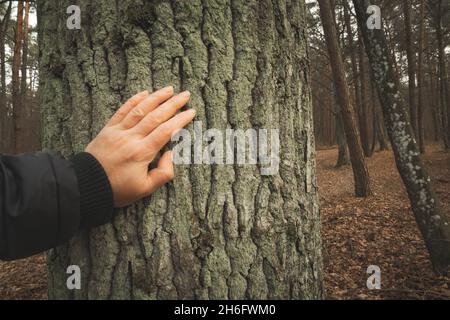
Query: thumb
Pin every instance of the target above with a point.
(162, 174)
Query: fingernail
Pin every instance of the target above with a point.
(168, 89)
(185, 94)
(193, 111)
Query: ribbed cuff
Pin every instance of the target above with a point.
(96, 197)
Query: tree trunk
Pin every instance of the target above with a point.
(342, 143)
(3, 97)
(436, 10)
(343, 159)
(23, 118)
(432, 222)
(420, 80)
(353, 52)
(364, 112)
(360, 172)
(434, 85)
(216, 232)
(16, 98)
(411, 68)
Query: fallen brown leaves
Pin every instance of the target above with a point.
(24, 279)
(379, 230)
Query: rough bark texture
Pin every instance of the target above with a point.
(216, 232)
(432, 223)
(360, 172)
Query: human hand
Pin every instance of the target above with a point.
(132, 139)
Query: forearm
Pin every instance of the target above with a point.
(45, 200)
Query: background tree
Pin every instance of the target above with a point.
(432, 223)
(421, 80)
(411, 57)
(360, 172)
(216, 231)
(17, 58)
(4, 26)
(439, 10)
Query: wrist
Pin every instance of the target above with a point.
(96, 196)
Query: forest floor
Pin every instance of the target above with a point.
(357, 233)
(379, 230)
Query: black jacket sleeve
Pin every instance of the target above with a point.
(45, 200)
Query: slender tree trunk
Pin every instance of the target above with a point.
(434, 84)
(342, 143)
(436, 118)
(360, 172)
(410, 54)
(420, 80)
(343, 159)
(16, 98)
(436, 10)
(375, 119)
(432, 222)
(22, 140)
(364, 111)
(353, 58)
(380, 128)
(3, 97)
(216, 232)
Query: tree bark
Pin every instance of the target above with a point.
(360, 172)
(432, 222)
(216, 232)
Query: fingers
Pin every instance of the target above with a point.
(162, 174)
(150, 103)
(163, 113)
(126, 108)
(162, 135)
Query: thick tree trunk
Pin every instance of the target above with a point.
(432, 222)
(360, 172)
(16, 98)
(3, 98)
(216, 231)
